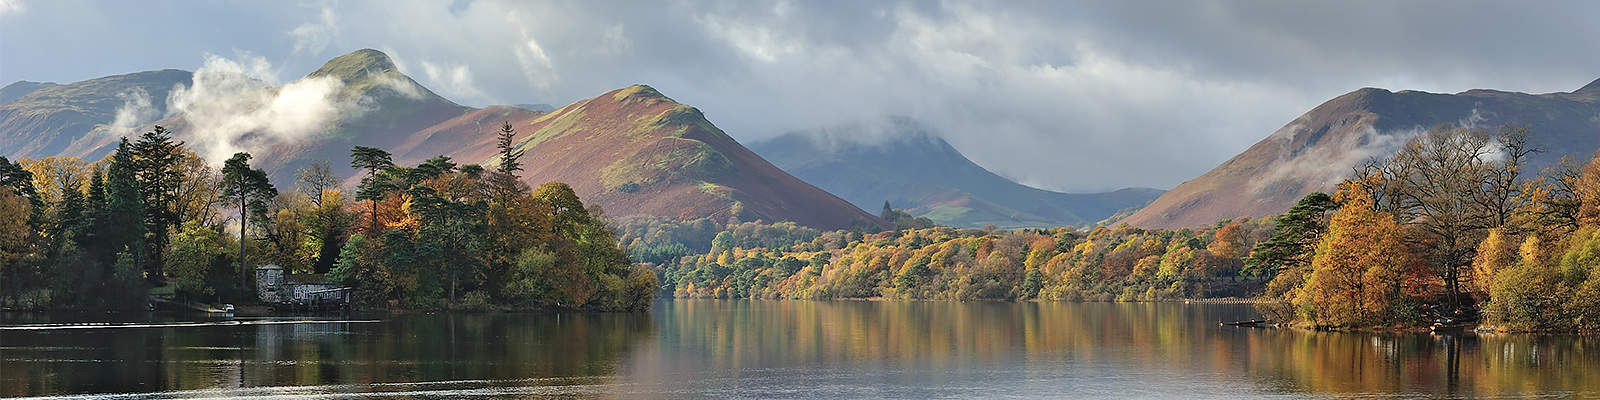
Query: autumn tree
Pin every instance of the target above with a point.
(15, 237)
(198, 258)
(1498, 251)
(199, 193)
(1434, 176)
(326, 222)
(1356, 273)
(312, 181)
(1503, 193)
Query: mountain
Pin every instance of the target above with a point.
(541, 107)
(632, 151)
(78, 119)
(636, 151)
(1320, 148)
(383, 109)
(21, 88)
(923, 174)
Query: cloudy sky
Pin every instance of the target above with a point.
(1062, 95)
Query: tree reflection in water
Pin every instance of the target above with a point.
(715, 348)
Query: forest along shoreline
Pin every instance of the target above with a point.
(1385, 251)
(153, 220)
(1522, 258)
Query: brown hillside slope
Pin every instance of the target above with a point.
(1320, 148)
(636, 152)
(44, 119)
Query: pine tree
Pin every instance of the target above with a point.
(121, 226)
(374, 160)
(94, 209)
(251, 189)
(155, 166)
(510, 157)
(1294, 237)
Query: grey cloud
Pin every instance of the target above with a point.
(1062, 95)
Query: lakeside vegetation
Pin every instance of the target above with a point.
(1451, 225)
(1449, 228)
(754, 260)
(101, 235)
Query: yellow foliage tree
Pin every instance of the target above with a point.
(1357, 270)
(1494, 254)
(1587, 189)
(14, 231)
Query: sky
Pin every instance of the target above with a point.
(1063, 95)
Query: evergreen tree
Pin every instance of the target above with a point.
(156, 167)
(510, 157)
(250, 188)
(121, 226)
(94, 208)
(373, 160)
(19, 180)
(1294, 238)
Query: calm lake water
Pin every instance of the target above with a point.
(787, 349)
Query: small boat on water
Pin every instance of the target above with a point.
(1250, 323)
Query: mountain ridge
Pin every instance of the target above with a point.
(632, 150)
(911, 168)
(1319, 148)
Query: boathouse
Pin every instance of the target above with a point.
(274, 285)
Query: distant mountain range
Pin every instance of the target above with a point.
(633, 151)
(1320, 148)
(902, 163)
(39, 119)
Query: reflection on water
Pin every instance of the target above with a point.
(719, 348)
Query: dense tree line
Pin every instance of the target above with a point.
(755, 260)
(152, 218)
(1449, 226)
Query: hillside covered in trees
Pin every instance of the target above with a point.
(102, 234)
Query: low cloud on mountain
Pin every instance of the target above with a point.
(1063, 95)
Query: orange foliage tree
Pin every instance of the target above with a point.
(1359, 269)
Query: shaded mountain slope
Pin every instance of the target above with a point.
(45, 119)
(926, 176)
(1320, 148)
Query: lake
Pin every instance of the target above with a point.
(784, 349)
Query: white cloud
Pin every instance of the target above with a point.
(233, 107)
(136, 110)
(536, 65)
(1313, 167)
(454, 81)
(400, 85)
(1050, 92)
(12, 7)
(314, 37)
